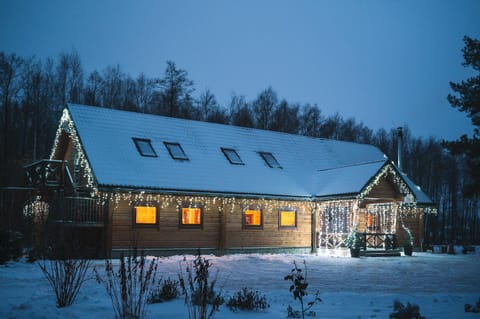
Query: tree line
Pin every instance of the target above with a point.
(33, 93)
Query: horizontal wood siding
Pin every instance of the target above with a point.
(384, 189)
(222, 226)
(270, 235)
(167, 234)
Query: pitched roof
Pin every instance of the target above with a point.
(309, 166)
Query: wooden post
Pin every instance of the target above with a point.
(313, 241)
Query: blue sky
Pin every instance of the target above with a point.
(386, 63)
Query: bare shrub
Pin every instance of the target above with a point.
(201, 298)
(166, 290)
(129, 286)
(66, 277)
(248, 299)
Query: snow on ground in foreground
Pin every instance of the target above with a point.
(349, 287)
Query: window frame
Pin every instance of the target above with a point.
(226, 151)
(146, 204)
(191, 226)
(172, 155)
(269, 155)
(137, 140)
(244, 223)
(287, 209)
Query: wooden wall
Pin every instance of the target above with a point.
(222, 227)
(385, 189)
(271, 234)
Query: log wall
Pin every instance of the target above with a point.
(222, 227)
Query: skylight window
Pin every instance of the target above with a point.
(232, 156)
(270, 160)
(176, 151)
(144, 147)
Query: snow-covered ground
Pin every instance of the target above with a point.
(349, 287)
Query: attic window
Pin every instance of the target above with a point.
(176, 151)
(270, 160)
(232, 156)
(144, 147)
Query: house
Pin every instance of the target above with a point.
(167, 185)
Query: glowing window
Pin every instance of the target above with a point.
(232, 156)
(288, 217)
(176, 151)
(191, 216)
(270, 160)
(252, 217)
(144, 147)
(145, 215)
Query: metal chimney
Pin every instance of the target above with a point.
(400, 149)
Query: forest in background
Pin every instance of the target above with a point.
(34, 92)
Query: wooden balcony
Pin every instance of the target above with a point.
(47, 174)
(80, 212)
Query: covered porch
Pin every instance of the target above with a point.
(381, 225)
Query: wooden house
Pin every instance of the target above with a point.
(121, 180)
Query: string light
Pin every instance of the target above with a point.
(66, 125)
(386, 171)
(336, 217)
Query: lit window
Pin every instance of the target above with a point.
(145, 215)
(144, 147)
(288, 217)
(270, 159)
(252, 217)
(176, 151)
(191, 216)
(232, 156)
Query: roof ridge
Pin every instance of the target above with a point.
(352, 165)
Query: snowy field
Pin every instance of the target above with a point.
(349, 287)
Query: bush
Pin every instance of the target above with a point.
(165, 291)
(473, 308)
(299, 290)
(247, 299)
(405, 312)
(66, 277)
(130, 286)
(201, 298)
(10, 245)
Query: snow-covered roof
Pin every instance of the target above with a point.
(420, 196)
(309, 166)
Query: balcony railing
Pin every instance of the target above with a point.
(81, 211)
(46, 173)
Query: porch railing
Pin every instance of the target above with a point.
(368, 240)
(81, 211)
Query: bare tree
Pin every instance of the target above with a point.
(285, 118)
(240, 112)
(263, 108)
(144, 93)
(176, 89)
(93, 89)
(10, 86)
(310, 120)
